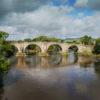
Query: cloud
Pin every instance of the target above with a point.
(93, 4)
(33, 18)
(81, 3)
(46, 20)
(7, 6)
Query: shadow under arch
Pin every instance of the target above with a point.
(32, 49)
(73, 48)
(54, 49)
(12, 51)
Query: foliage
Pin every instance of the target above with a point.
(46, 39)
(98, 41)
(4, 46)
(96, 49)
(3, 36)
(4, 63)
(86, 40)
(27, 40)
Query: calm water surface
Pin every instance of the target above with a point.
(52, 78)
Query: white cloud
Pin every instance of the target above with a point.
(9, 29)
(52, 21)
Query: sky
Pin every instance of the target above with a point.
(55, 18)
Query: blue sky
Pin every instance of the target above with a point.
(55, 18)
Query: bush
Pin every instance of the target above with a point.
(96, 49)
(4, 65)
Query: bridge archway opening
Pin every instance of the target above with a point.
(12, 51)
(73, 48)
(54, 49)
(32, 49)
(72, 54)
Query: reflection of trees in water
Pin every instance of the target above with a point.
(97, 66)
(1, 86)
(85, 62)
(75, 57)
(55, 59)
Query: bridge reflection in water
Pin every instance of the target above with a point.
(49, 62)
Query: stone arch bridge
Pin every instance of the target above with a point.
(21, 46)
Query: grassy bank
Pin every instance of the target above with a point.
(88, 54)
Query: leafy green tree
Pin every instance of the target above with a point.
(96, 49)
(46, 39)
(3, 49)
(3, 36)
(28, 40)
(86, 40)
(98, 41)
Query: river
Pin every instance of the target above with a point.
(52, 78)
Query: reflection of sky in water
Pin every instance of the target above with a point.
(66, 80)
(74, 81)
(13, 76)
(71, 57)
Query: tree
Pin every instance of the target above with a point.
(3, 35)
(47, 39)
(28, 40)
(98, 41)
(96, 49)
(86, 40)
(3, 47)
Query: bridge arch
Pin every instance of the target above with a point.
(32, 49)
(56, 48)
(73, 48)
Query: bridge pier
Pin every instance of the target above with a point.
(20, 54)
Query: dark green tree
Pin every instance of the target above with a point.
(96, 49)
(3, 50)
(86, 40)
